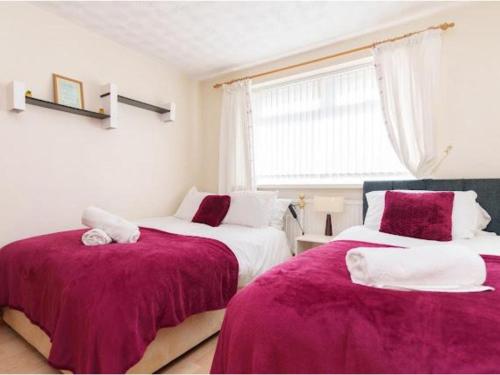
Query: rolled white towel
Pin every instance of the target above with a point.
(95, 237)
(120, 230)
(446, 268)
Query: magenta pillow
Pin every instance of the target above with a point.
(212, 210)
(418, 215)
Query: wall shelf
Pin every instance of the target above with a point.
(139, 104)
(16, 102)
(65, 108)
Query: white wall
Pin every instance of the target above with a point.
(468, 117)
(53, 164)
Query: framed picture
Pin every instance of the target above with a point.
(68, 91)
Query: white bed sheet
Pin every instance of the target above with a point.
(256, 249)
(483, 243)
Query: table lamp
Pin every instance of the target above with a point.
(329, 205)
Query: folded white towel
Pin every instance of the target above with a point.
(95, 237)
(120, 230)
(446, 268)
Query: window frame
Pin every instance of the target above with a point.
(337, 68)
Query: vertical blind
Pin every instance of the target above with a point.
(324, 129)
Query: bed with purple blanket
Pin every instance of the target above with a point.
(102, 306)
(129, 307)
(306, 316)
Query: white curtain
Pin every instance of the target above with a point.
(236, 169)
(407, 73)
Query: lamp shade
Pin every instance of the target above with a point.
(328, 204)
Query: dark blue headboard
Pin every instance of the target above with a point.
(487, 189)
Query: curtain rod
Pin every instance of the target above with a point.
(444, 26)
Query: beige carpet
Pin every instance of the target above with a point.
(17, 356)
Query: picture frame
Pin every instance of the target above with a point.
(68, 91)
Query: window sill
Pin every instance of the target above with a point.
(310, 187)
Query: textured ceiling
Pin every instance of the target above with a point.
(208, 38)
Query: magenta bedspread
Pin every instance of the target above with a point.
(102, 305)
(305, 316)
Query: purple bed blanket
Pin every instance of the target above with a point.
(101, 306)
(306, 316)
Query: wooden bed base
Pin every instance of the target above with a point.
(169, 343)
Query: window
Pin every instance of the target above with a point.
(325, 129)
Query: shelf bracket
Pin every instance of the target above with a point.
(168, 116)
(110, 105)
(16, 100)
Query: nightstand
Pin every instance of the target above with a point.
(308, 241)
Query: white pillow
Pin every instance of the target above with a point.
(465, 217)
(376, 206)
(278, 213)
(190, 204)
(483, 219)
(251, 208)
